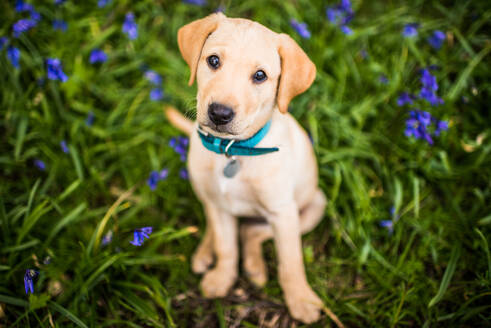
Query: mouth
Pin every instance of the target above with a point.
(219, 130)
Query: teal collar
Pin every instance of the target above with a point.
(231, 147)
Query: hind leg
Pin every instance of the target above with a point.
(253, 235)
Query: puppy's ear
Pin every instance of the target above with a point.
(297, 71)
(192, 37)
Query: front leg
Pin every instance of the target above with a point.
(218, 281)
(301, 300)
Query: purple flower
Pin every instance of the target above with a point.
(90, 119)
(35, 16)
(153, 77)
(102, 3)
(440, 126)
(13, 55)
(429, 87)
(153, 179)
(3, 41)
(55, 71)
(340, 15)
(428, 80)
(195, 2)
(23, 25)
(97, 56)
(180, 146)
(436, 39)
(388, 224)
(108, 237)
(28, 277)
(405, 98)
(346, 30)
(64, 147)
(417, 125)
(21, 6)
(163, 174)
(183, 173)
(139, 235)
(383, 79)
(130, 27)
(156, 94)
(410, 30)
(40, 164)
(301, 28)
(59, 24)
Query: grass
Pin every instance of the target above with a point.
(433, 270)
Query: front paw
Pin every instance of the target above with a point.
(201, 261)
(304, 305)
(217, 282)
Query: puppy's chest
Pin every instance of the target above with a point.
(234, 194)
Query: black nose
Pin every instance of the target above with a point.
(220, 114)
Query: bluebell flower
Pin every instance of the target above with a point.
(163, 174)
(183, 173)
(13, 55)
(130, 27)
(97, 56)
(195, 2)
(40, 164)
(23, 25)
(3, 41)
(59, 24)
(430, 86)
(346, 30)
(28, 283)
(64, 146)
(183, 141)
(153, 179)
(35, 16)
(417, 125)
(55, 71)
(405, 98)
(153, 77)
(436, 39)
(180, 146)
(90, 119)
(156, 94)
(440, 126)
(59, 2)
(301, 28)
(410, 30)
(107, 239)
(102, 3)
(341, 15)
(139, 235)
(388, 224)
(21, 6)
(383, 79)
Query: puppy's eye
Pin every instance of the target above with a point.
(213, 61)
(259, 77)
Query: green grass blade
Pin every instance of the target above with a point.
(55, 306)
(447, 276)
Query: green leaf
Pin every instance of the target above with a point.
(68, 314)
(447, 276)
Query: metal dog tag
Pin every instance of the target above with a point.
(231, 168)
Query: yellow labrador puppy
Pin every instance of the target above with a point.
(248, 156)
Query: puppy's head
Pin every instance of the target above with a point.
(244, 71)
